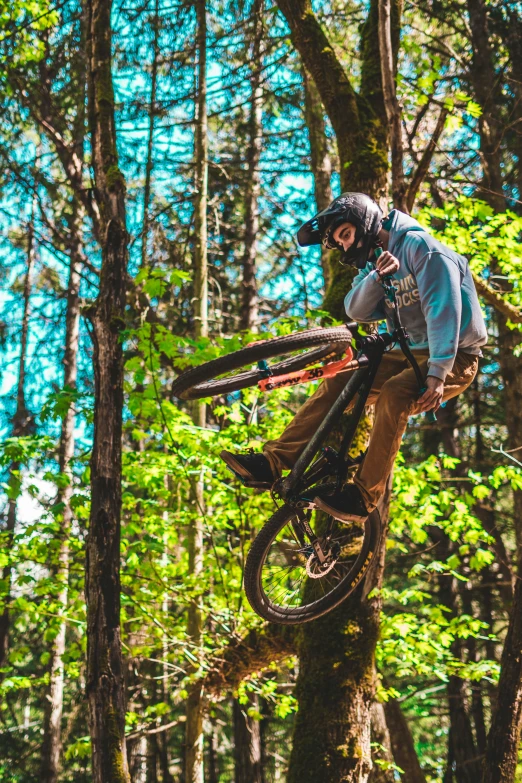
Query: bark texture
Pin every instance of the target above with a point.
(320, 160)
(358, 118)
(391, 104)
(336, 685)
(105, 683)
(382, 770)
(402, 744)
(247, 743)
(249, 296)
(504, 734)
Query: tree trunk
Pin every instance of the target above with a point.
(194, 759)
(358, 119)
(391, 104)
(150, 140)
(381, 772)
(504, 735)
(403, 747)
(212, 752)
(336, 684)
(320, 160)
(249, 298)
(21, 426)
(485, 86)
(52, 738)
(464, 752)
(105, 682)
(247, 743)
(466, 757)
(336, 680)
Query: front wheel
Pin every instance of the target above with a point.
(288, 353)
(284, 580)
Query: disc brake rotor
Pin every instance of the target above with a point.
(315, 570)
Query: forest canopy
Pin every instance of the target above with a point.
(157, 158)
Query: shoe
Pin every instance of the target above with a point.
(346, 505)
(252, 469)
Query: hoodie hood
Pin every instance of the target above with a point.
(399, 224)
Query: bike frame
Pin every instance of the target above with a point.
(370, 353)
(360, 383)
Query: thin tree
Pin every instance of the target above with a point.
(320, 160)
(150, 139)
(194, 760)
(105, 683)
(249, 295)
(52, 737)
(22, 422)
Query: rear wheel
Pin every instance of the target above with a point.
(286, 583)
(234, 371)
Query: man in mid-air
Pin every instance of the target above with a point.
(440, 311)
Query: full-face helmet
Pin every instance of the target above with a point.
(356, 208)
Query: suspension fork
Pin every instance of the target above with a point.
(314, 541)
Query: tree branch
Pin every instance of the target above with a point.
(319, 58)
(248, 654)
(495, 299)
(422, 168)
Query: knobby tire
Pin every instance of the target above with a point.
(303, 614)
(202, 381)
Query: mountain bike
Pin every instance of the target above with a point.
(303, 563)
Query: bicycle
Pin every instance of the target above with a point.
(300, 541)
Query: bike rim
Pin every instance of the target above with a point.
(292, 578)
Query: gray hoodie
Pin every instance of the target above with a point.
(436, 295)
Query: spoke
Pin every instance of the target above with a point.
(289, 595)
(293, 592)
(278, 580)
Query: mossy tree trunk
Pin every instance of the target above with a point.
(336, 682)
(336, 685)
(105, 682)
(358, 118)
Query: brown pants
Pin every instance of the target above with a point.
(395, 392)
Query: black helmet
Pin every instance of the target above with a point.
(356, 208)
